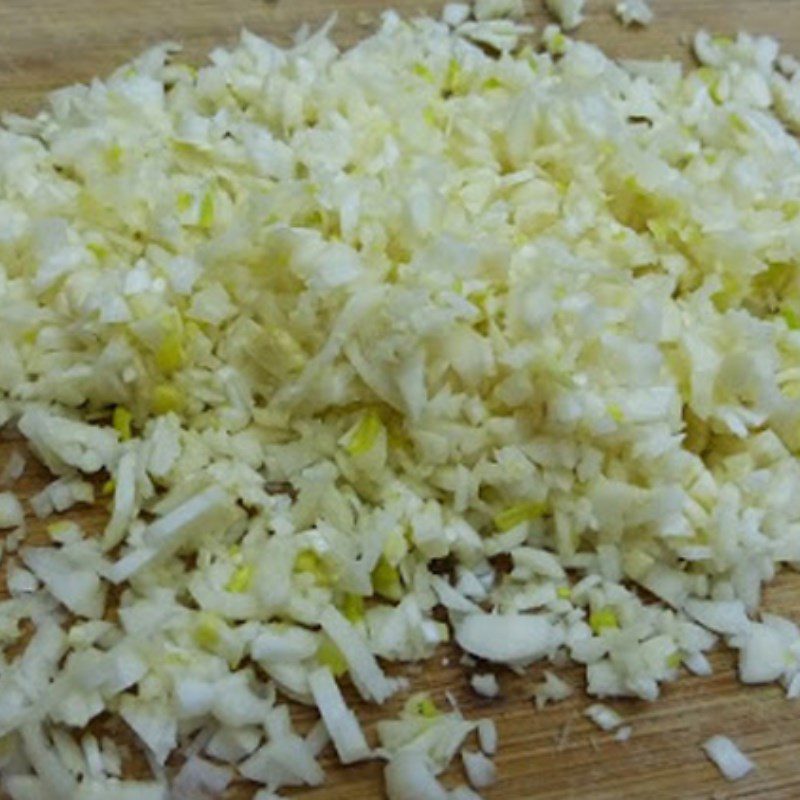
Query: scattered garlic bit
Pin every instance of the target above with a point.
(20, 581)
(485, 684)
(552, 690)
(634, 12)
(487, 736)
(604, 717)
(341, 723)
(61, 495)
(569, 13)
(728, 758)
(408, 776)
(453, 14)
(554, 41)
(623, 733)
(12, 469)
(499, 9)
(502, 35)
(12, 514)
(200, 778)
(481, 771)
(11, 541)
(508, 638)
(423, 727)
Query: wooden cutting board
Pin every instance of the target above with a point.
(554, 753)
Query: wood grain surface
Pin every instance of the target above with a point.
(554, 753)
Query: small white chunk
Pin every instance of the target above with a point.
(11, 512)
(485, 684)
(76, 586)
(318, 738)
(728, 758)
(551, 690)
(720, 616)
(623, 734)
(20, 581)
(569, 13)
(409, 777)
(698, 664)
(211, 509)
(499, 9)
(454, 14)
(634, 12)
(481, 771)
(762, 656)
(342, 724)
(487, 736)
(365, 671)
(603, 716)
(234, 744)
(508, 638)
(284, 761)
(12, 469)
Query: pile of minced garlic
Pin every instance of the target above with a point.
(453, 325)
